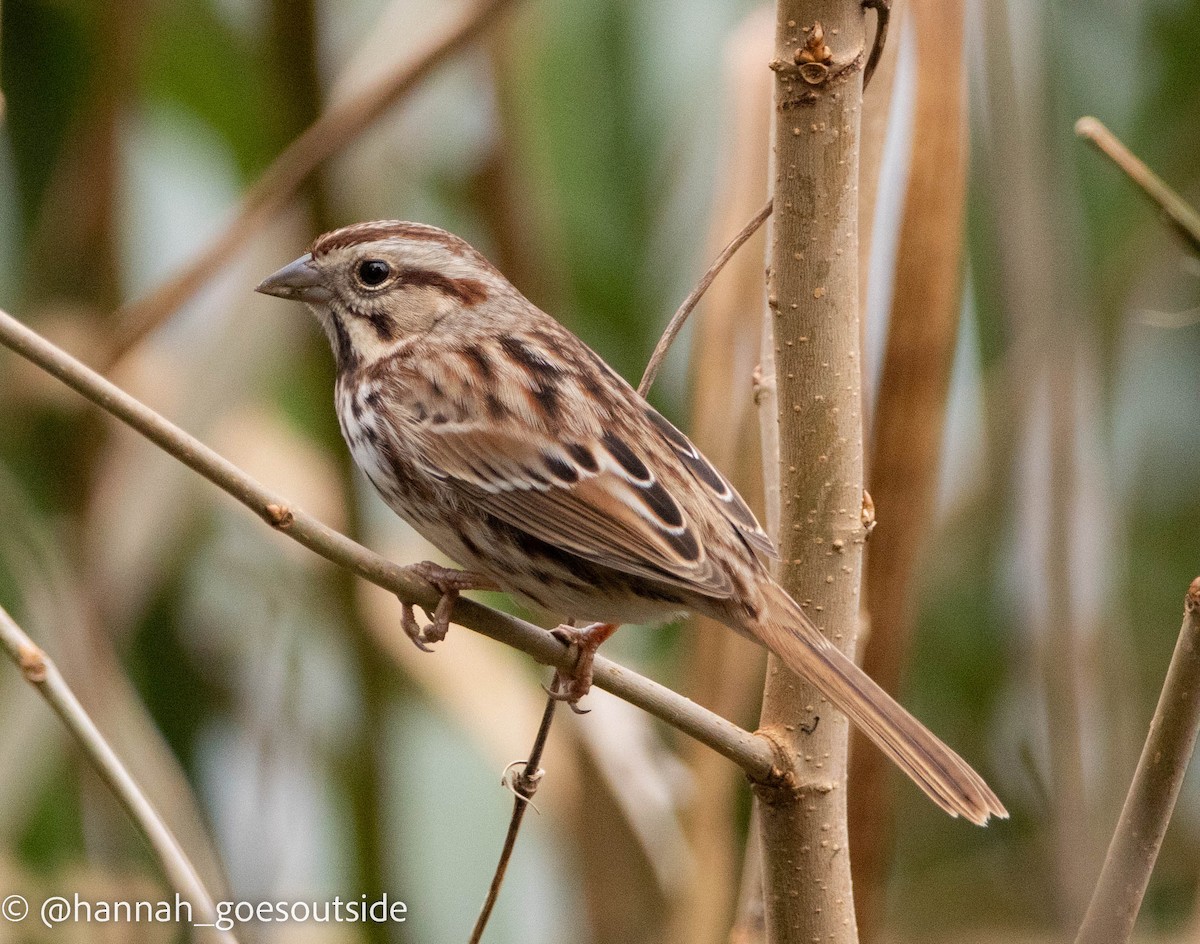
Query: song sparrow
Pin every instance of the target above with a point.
(518, 452)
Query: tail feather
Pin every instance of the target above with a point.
(935, 768)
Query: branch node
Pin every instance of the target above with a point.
(780, 782)
(1192, 602)
(814, 64)
(867, 515)
(33, 663)
(760, 384)
(279, 516)
(814, 49)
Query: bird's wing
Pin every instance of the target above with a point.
(599, 500)
(730, 503)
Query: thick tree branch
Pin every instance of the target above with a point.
(43, 674)
(323, 138)
(1151, 799)
(812, 296)
(752, 753)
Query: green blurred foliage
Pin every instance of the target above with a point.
(573, 178)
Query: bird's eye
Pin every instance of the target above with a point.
(372, 272)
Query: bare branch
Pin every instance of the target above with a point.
(752, 753)
(43, 674)
(323, 138)
(1151, 799)
(1183, 217)
(679, 319)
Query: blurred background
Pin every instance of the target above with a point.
(1032, 338)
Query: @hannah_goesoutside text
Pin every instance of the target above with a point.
(57, 910)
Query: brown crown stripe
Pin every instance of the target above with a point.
(386, 229)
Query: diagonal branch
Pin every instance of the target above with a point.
(752, 753)
(43, 675)
(1182, 216)
(323, 138)
(1151, 799)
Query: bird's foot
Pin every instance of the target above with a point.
(570, 686)
(449, 583)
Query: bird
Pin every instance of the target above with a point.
(520, 454)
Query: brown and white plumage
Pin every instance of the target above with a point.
(519, 453)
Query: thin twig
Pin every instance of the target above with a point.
(1182, 216)
(675, 325)
(43, 674)
(752, 753)
(1151, 798)
(325, 137)
(524, 786)
(883, 15)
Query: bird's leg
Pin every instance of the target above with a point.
(449, 583)
(573, 685)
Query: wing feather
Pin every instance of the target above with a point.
(593, 509)
(586, 465)
(730, 502)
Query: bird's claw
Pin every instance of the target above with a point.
(412, 629)
(571, 686)
(449, 583)
(566, 696)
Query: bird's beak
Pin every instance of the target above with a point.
(297, 280)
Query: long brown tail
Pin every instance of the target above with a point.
(946, 777)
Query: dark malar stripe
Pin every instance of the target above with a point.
(347, 357)
(379, 320)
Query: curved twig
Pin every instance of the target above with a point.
(883, 16)
(679, 319)
(750, 752)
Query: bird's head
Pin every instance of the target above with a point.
(374, 285)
